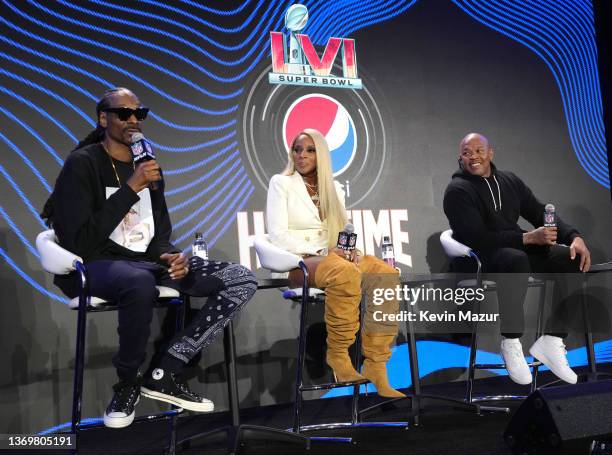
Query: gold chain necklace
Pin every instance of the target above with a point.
(314, 187)
(126, 219)
(314, 197)
(112, 161)
(316, 200)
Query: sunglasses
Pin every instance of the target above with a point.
(124, 113)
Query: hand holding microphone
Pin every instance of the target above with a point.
(550, 224)
(146, 171)
(546, 234)
(541, 236)
(145, 174)
(347, 239)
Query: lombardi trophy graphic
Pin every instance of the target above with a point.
(295, 20)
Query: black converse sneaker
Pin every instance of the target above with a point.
(120, 411)
(166, 386)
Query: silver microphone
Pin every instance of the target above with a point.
(142, 151)
(550, 219)
(347, 239)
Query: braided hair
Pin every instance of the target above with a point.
(95, 136)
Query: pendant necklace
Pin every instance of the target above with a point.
(314, 197)
(112, 161)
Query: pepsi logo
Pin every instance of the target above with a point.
(331, 118)
(350, 121)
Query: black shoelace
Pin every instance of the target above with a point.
(182, 386)
(125, 395)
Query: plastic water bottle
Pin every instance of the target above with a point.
(200, 248)
(387, 251)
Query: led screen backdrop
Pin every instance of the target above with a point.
(524, 73)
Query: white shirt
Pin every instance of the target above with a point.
(292, 219)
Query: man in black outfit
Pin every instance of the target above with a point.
(105, 210)
(483, 205)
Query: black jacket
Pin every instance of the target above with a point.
(483, 212)
(83, 218)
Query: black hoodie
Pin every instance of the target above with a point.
(483, 212)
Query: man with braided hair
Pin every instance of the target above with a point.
(98, 193)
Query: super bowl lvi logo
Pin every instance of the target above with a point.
(277, 108)
(301, 65)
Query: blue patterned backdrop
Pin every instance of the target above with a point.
(193, 63)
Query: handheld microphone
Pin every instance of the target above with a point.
(347, 239)
(550, 219)
(142, 151)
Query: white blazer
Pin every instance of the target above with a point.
(292, 219)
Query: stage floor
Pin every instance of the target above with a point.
(442, 430)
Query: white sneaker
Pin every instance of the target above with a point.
(551, 352)
(512, 353)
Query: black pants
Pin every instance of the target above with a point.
(132, 285)
(510, 269)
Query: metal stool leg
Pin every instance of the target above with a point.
(357, 362)
(179, 324)
(300, 388)
(540, 321)
(301, 356)
(237, 433)
(79, 366)
(171, 450)
(297, 409)
(593, 374)
(419, 401)
(474, 366)
(77, 397)
(472, 363)
(229, 346)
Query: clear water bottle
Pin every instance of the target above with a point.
(200, 248)
(387, 251)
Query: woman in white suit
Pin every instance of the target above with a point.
(305, 211)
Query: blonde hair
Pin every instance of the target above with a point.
(332, 210)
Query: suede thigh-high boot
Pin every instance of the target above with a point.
(378, 336)
(342, 283)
